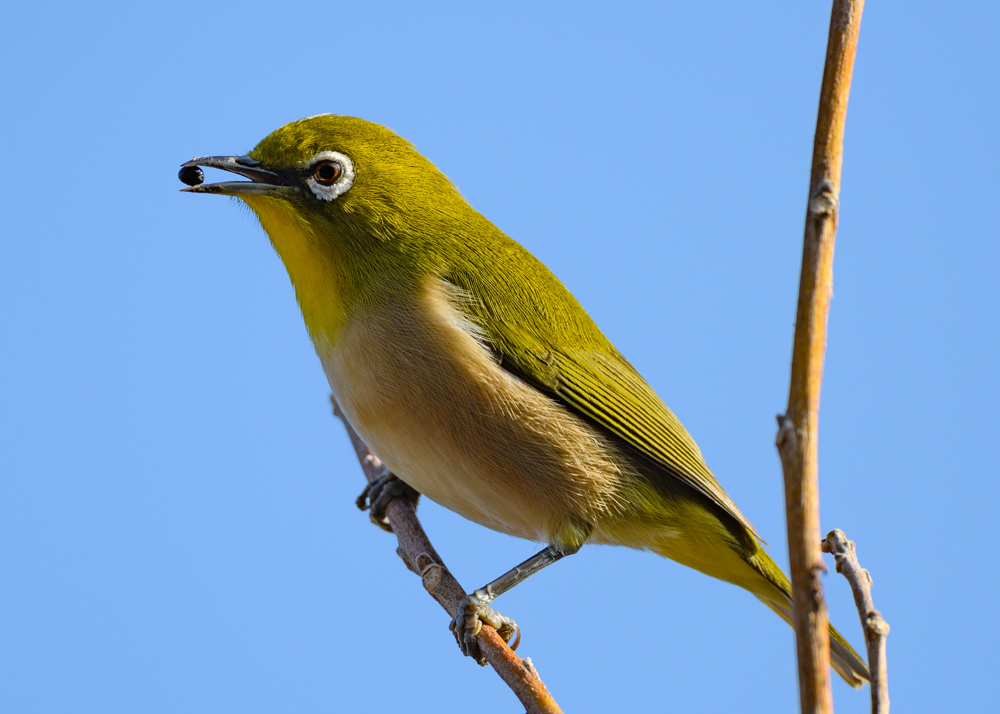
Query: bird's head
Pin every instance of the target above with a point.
(336, 173)
(350, 207)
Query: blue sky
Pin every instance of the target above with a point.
(177, 528)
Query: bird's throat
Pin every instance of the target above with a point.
(313, 270)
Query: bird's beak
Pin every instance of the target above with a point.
(262, 182)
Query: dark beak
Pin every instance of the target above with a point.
(262, 182)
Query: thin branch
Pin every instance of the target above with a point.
(419, 555)
(876, 629)
(798, 427)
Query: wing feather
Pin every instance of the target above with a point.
(553, 344)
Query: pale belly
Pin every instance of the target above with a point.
(432, 403)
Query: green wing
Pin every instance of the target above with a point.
(606, 388)
(541, 333)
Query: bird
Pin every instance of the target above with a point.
(473, 373)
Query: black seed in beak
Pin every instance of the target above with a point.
(191, 175)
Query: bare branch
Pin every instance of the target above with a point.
(876, 629)
(798, 427)
(419, 555)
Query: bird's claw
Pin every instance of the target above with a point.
(468, 623)
(379, 493)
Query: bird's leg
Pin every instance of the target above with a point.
(474, 609)
(378, 493)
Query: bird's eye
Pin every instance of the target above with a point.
(329, 175)
(326, 173)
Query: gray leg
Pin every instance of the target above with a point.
(474, 610)
(377, 495)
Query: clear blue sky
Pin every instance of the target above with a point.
(177, 521)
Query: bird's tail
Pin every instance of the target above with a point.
(844, 660)
(738, 558)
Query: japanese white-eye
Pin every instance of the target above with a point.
(474, 375)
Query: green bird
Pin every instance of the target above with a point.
(475, 375)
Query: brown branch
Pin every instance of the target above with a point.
(798, 427)
(419, 555)
(876, 629)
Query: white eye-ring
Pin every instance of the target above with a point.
(329, 175)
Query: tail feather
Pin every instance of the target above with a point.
(719, 546)
(844, 660)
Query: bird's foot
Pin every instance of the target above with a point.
(472, 613)
(377, 495)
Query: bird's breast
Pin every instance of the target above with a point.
(417, 381)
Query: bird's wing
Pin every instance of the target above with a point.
(606, 388)
(579, 366)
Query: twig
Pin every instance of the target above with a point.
(419, 555)
(876, 629)
(798, 427)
